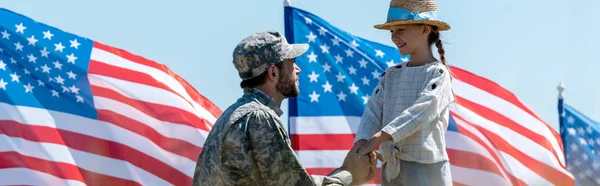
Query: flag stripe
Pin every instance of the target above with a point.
(472, 160)
(467, 176)
(154, 116)
(502, 120)
(153, 93)
(508, 107)
(60, 170)
(535, 163)
(115, 57)
(60, 153)
(25, 176)
(90, 144)
(324, 124)
(315, 141)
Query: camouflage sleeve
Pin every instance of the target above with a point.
(275, 159)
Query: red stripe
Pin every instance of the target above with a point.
(497, 90)
(463, 131)
(454, 183)
(59, 169)
(199, 98)
(97, 146)
(547, 172)
(508, 123)
(473, 161)
(176, 146)
(160, 112)
(183, 116)
(316, 141)
(325, 171)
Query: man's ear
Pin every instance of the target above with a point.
(273, 72)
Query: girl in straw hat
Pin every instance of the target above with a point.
(408, 111)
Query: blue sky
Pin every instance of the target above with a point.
(527, 47)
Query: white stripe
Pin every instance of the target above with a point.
(460, 142)
(324, 125)
(508, 110)
(141, 92)
(186, 133)
(115, 60)
(91, 162)
(95, 128)
(523, 172)
(24, 176)
(469, 176)
(519, 142)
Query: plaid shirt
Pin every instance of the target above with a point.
(415, 114)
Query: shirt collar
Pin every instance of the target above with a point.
(263, 98)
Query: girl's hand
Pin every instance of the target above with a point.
(374, 142)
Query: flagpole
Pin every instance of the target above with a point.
(286, 2)
(561, 117)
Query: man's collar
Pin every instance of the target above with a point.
(265, 99)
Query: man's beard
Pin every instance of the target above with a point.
(286, 87)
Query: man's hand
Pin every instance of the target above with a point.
(362, 167)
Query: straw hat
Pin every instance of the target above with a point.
(402, 12)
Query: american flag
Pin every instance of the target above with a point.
(581, 136)
(74, 111)
(493, 137)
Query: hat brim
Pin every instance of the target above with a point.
(295, 50)
(442, 26)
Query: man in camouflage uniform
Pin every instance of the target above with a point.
(248, 144)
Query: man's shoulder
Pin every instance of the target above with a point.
(242, 108)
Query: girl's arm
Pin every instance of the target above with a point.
(370, 123)
(435, 97)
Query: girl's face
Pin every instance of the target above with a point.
(410, 38)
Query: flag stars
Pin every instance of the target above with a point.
(379, 53)
(570, 120)
(3, 84)
(336, 41)
(338, 59)
(313, 77)
(365, 80)
(74, 89)
(352, 70)
(311, 37)
(79, 98)
(326, 67)
(54, 93)
(40, 83)
(308, 20)
(13, 61)
(2, 65)
(327, 87)
(581, 131)
(5, 35)
(349, 53)
(32, 58)
(365, 99)
(312, 57)
(340, 77)
(322, 31)
(390, 63)
(60, 80)
(57, 65)
(572, 131)
(574, 147)
(59, 47)
(26, 71)
(28, 88)
(341, 96)
(582, 141)
(363, 63)
(325, 48)
(74, 43)
(18, 46)
(44, 52)
(48, 35)
(71, 58)
(20, 28)
(353, 89)
(314, 97)
(376, 74)
(32, 40)
(14, 77)
(354, 44)
(65, 89)
(73, 75)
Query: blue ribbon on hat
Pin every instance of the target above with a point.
(405, 15)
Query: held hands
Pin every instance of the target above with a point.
(362, 167)
(366, 147)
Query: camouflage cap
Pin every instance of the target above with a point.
(258, 51)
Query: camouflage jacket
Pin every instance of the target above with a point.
(249, 146)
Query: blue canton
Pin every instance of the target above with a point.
(44, 67)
